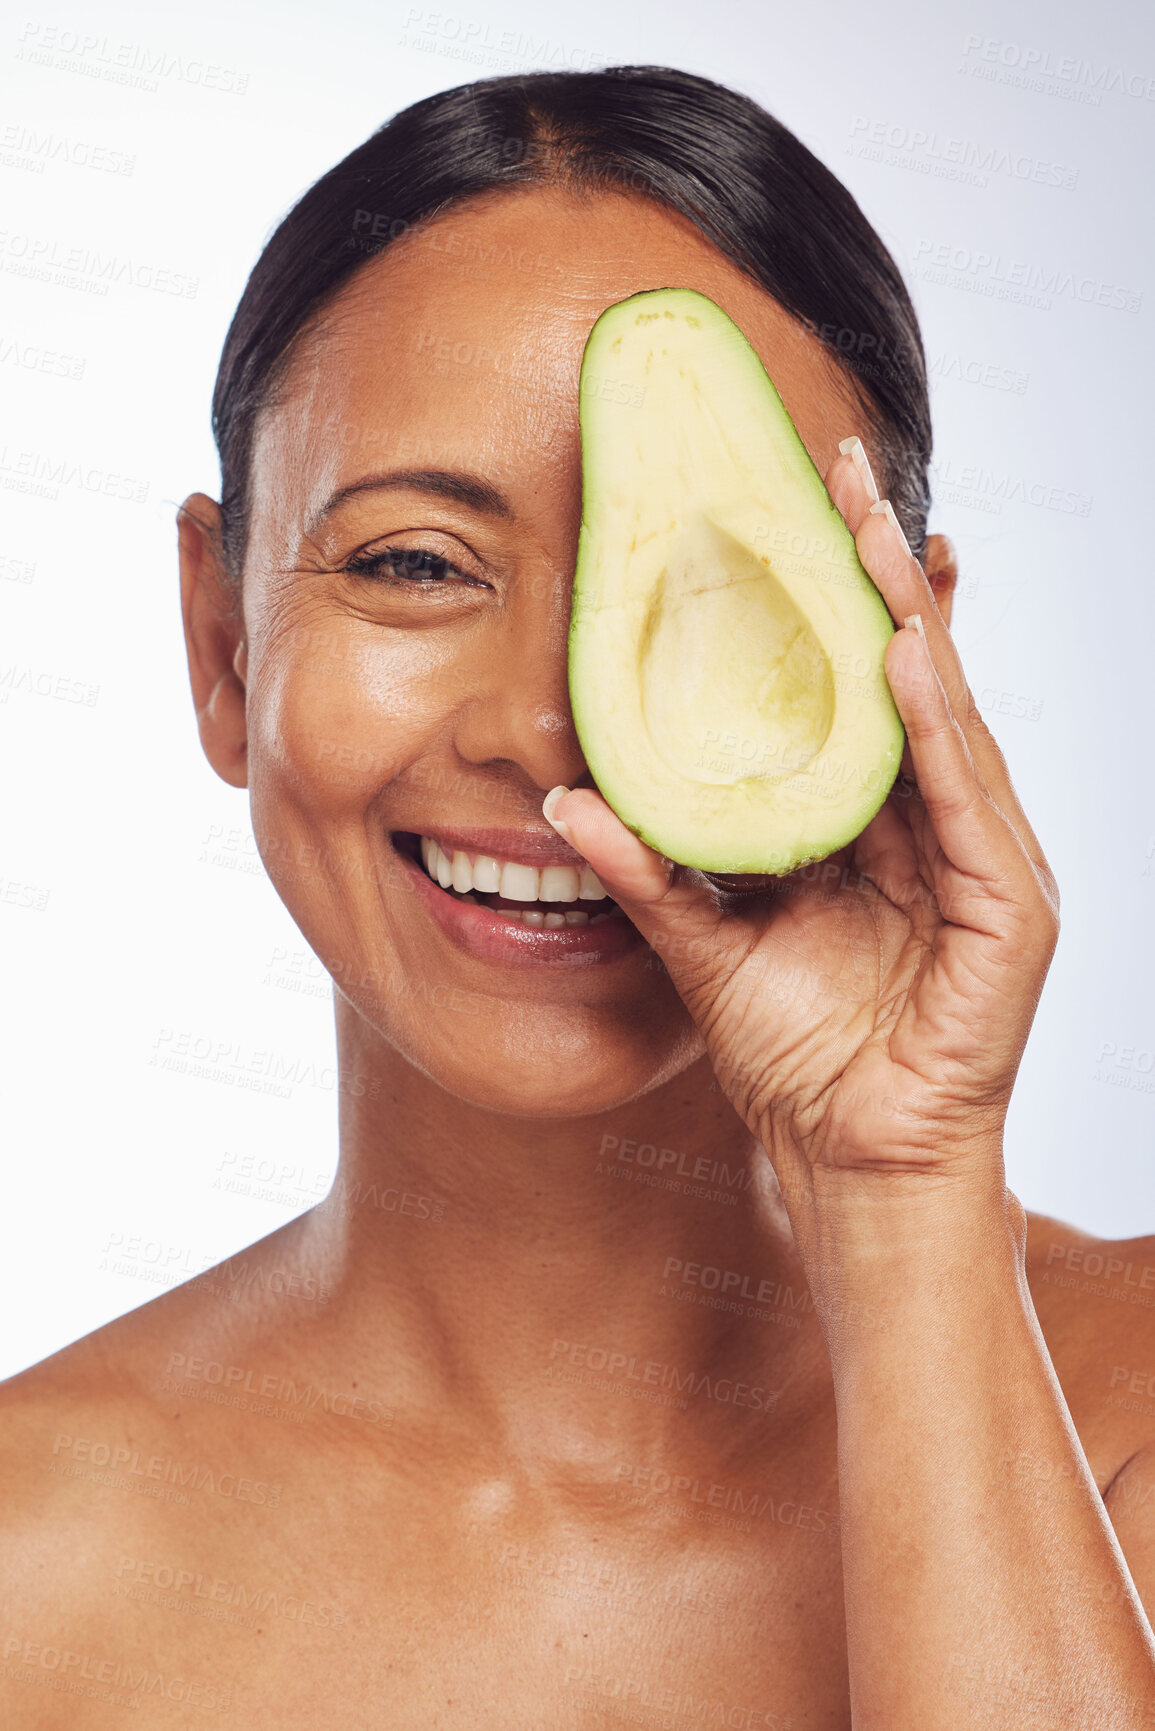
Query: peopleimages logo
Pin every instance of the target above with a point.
(239, 1379)
(641, 1701)
(121, 1461)
(991, 274)
(43, 473)
(464, 38)
(177, 1588)
(733, 1499)
(136, 64)
(83, 267)
(67, 1669)
(1030, 67)
(926, 151)
(700, 1168)
(651, 1372)
(24, 147)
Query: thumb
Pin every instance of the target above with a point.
(673, 908)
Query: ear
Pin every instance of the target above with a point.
(941, 567)
(214, 633)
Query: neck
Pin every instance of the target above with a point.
(629, 1274)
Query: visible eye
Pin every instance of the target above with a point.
(405, 565)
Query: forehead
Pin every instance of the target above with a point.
(461, 343)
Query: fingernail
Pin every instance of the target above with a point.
(547, 805)
(913, 622)
(884, 508)
(856, 451)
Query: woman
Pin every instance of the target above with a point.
(670, 1349)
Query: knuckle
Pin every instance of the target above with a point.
(1048, 917)
(975, 717)
(949, 802)
(978, 730)
(1042, 918)
(1050, 885)
(1032, 927)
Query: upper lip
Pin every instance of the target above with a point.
(520, 846)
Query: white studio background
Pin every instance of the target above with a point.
(1004, 154)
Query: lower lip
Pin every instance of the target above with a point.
(491, 939)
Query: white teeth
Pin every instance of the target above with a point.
(486, 873)
(534, 917)
(520, 882)
(482, 873)
(558, 884)
(592, 889)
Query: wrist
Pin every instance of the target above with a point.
(884, 1240)
(938, 1283)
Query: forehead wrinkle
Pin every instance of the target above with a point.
(540, 322)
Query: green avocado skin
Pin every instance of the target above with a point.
(725, 643)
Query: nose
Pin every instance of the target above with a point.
(518, 717)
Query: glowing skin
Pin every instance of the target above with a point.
(425, 708)
(491, 1534)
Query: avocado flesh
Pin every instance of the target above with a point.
(726, 644)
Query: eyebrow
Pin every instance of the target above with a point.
(462, 488)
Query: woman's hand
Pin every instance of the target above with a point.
(867, 1014)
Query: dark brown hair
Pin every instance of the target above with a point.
(682, 140)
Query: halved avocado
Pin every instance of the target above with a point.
(725, 643)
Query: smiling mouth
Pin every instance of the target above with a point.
(531, 908)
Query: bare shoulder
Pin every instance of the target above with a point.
(97, 1409)
(70, 1443)
(1095, 1300)
(113, 1489)
(90, 1389)
(97, 1431)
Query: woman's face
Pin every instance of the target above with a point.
(427, 695)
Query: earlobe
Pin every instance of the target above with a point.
(214, 639)
(941, 566)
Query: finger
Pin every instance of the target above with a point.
(674, 910)
(975, 834)
(904, 587)
(851, 484)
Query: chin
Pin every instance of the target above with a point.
(553, 1084)
(543, 1098)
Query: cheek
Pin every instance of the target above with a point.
(338, 710)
